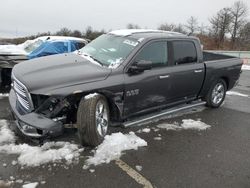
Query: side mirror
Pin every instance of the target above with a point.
(140, 66)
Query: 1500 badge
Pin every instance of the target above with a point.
(132, 92)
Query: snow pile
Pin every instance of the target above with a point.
(138, 168)
(195, 125)
(36, 155)
(6, 135)
(245, 67)
(30, 185)
(3, 95)
(186, 124)
(157, 138)
(169, 126)
(113, 146)
(237, 93)
(145, 130)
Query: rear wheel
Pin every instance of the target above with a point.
(92, 120)
(216, 94)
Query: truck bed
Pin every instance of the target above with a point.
(209, 56)
(220, 66)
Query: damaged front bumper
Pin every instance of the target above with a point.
(34, 125)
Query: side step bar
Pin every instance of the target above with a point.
(146, 118)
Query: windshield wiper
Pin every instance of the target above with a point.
(96, 60)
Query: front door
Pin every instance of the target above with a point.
(148, 89)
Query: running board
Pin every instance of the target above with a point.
(146, 118)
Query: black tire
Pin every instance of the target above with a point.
(210, 97)
(87, 120)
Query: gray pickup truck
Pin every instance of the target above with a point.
(118, 77)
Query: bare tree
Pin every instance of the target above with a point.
(77, 33)
(133, 26)
(172, 27)
(91, 34)
(239, 12)
(220, 25)
(167, 27)
(245, 36)
(202, 29)
(180, 29)
(64, 32)
(192, 25)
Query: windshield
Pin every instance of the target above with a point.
(109, 50)
(32, 46)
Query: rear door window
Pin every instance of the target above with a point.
(184, 52)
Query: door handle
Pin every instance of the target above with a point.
(198, 71)
(164, 76)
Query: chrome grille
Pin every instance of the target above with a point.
(23, 96)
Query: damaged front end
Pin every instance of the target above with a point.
(40, 116)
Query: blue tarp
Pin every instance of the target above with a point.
(53, 47)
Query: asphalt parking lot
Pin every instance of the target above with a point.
(215, 157)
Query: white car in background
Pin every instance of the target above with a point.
(10, 55)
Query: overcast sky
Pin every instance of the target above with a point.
(24, 17)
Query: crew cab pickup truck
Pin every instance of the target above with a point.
(119, 76)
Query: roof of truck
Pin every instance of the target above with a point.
(146, 33)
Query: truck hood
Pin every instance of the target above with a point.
(46, 74)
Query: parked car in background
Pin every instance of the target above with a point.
(10, 55)
(115, 79)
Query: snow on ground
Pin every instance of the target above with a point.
(138, 168)
(195, 125)
(168, 126)
(6, 135)
(2, 95)
(245, 67)
(31, 185)
(113, 146)
(145, 130)
(186, 124)
(36, 155)
(157, 138)
(237, 93)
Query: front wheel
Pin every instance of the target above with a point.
(92, 120)
(216, 94)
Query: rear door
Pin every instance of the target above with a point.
(187, 73)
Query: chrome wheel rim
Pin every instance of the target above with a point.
(101, 118)
(218, 93)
